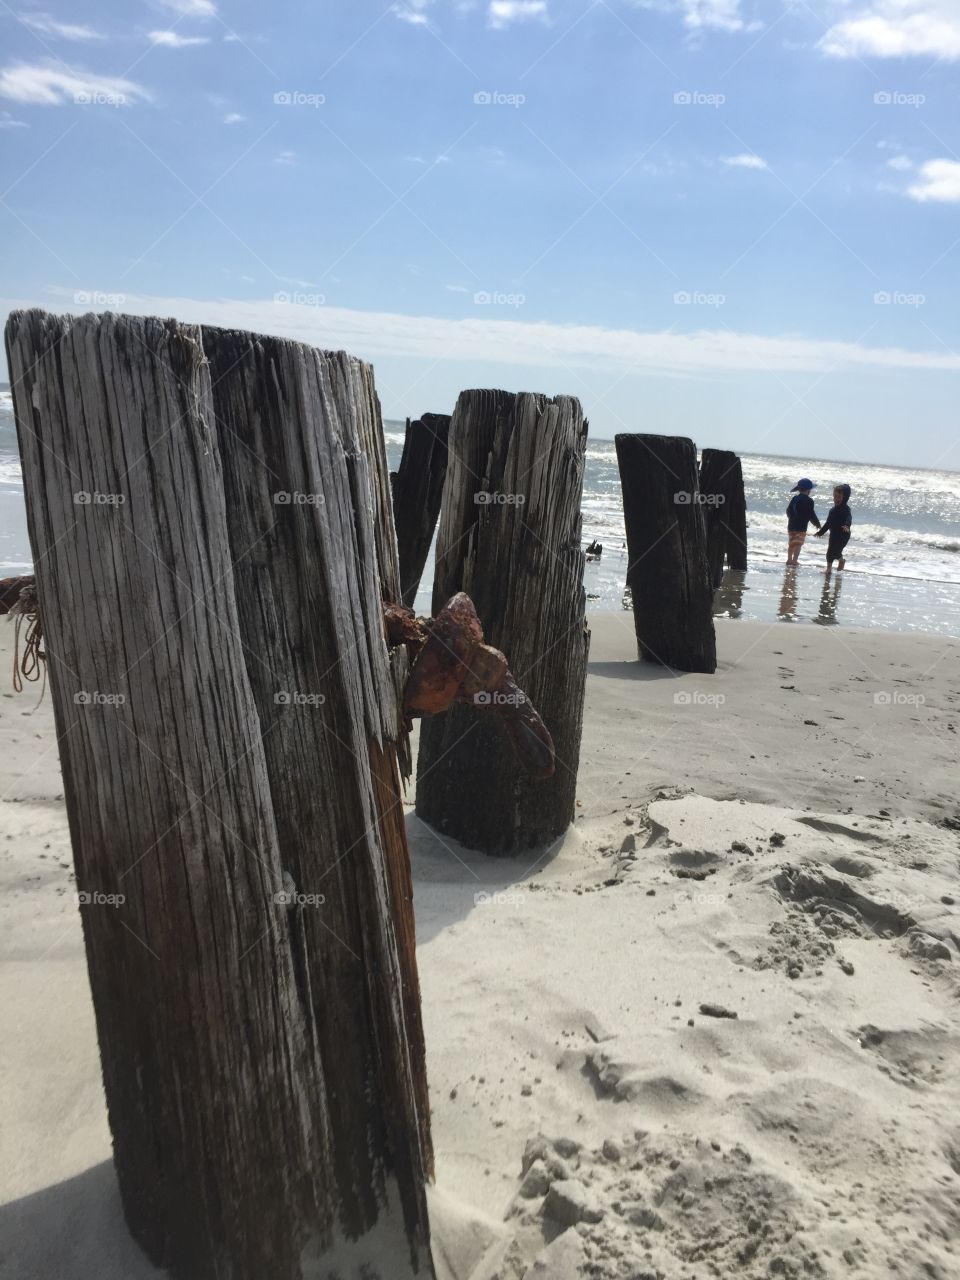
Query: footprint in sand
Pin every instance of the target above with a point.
(913, 1058)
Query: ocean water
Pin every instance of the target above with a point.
(903, 562)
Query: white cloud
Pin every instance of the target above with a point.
(412, 12)
(49, 26)
(939, 180)
(440, 159)
(457, 288)
(285, 157)
(233, 117)
(900, 163)
(718, 15)
(705, 15)
(8, 122)
(745, 161)
(54, 83)
(897, 29)
(372, 334)
(502, 12)
(191, 8)
(170, 39)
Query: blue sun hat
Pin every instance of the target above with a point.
(803, 486)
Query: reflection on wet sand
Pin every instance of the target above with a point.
(829, 599)
(728, 597)
(787, 611)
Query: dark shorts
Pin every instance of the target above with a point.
(836, 545)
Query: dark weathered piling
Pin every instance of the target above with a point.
(667, 571)
(725, 511)
(417, 488)
(203, 512)
(291, 585)
(510, 537)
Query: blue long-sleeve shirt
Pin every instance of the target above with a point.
(800, 513)
(837, 517)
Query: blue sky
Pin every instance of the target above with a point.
(738, 221)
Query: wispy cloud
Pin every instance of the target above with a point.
(373, 334)
(191, 8)
(54, 83)
(285, 158)
(8, 122)
(502, 13)
(700, 16)
(745, 161)
(440, 159)
(171, 40)
(900, 163)
(413, 12)
(716, 15)
(897, 29)
(50, 26)
(233, 117)
(939, 180)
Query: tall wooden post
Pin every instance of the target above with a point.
(209, 577)
(666, 546)
(510, 537)
(417, 489)
(725, 511)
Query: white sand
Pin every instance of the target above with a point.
(815, 1134)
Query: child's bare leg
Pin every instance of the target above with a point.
(841, 562)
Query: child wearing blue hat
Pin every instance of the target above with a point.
(800, 514)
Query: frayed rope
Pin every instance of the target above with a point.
(33, 662)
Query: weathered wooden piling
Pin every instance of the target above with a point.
(417, 488)
(510, 537)
(667, 570)
(285, 476)
(202, 510)
(725, 511)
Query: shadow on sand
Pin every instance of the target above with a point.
(73, 1230)
(634, 670)
(451, 881)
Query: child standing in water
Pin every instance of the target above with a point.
(800, 513)
(837, 524)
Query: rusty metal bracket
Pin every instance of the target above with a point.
(452, 664)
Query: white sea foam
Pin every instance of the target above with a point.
(906, 531)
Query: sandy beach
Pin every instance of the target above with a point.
(714, 1033)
